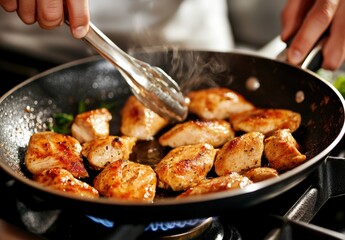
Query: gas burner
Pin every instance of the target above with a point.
(189, 229)
(207, 228)
(204, 228)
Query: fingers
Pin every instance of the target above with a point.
(78, 13)
(292, 17)
(334, 48)
(9, 5)
(314, 25)
(50, 13)
(27, 11)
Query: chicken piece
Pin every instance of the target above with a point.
(63, 180)
(260, 173)
(140, 122)
(103, 151)
(185, 166)
(239, 154)
(224, 183)
(127, 180)
(265, 120)
(90, 125)
(49, 149)
(217, 103)
(215, 132)
(282, 151)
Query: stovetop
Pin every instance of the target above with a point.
(314, 209)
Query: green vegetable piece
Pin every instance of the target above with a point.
(62, 123)
(339, 84)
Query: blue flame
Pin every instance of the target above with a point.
(165, 226)
(154, 226)
(104, 222)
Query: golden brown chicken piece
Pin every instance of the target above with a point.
(282, 151)
(217, 103)
(224, 183)
(260, 173)
(214, 132)
(103, 151)
(265, 120)
(49, 149)
(185, 166)
(91, 125)
(140, 122)
(239, 154)
(63, 180)
(127, 180)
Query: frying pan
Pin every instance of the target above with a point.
(28, 107)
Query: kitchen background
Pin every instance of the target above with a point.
(254, 23)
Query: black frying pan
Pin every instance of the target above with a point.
(27, 107)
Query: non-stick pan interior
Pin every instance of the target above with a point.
(266, 83)
(28, 107)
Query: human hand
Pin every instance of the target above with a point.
(307, 20)
(50, 13)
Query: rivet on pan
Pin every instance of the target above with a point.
(29, 109)
(252, 84)
(111, 95)
(299, 96)
(95, 85)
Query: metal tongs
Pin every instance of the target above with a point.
(154, 88)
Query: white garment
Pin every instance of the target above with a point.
(190, 24)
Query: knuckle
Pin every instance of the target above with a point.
(81, 21)
(52, 15)
(326, 12)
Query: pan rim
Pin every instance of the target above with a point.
(310, 164)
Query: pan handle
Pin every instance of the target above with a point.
(313, 60)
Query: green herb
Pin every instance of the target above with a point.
(81, 106)
(108, 106)
(62, 123)
(339, 84)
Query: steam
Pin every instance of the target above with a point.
(190, 69)
(197, 69)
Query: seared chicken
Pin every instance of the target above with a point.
(90, 125)
(185, 166)
(140, 122)
(224, 183)
(265, 120)
(282, 151)
(103, 151)
(49, 149)
(217, 103)
(239, 154)
(63, 180)
(127, 180)
(215, 132)
(260, 173)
